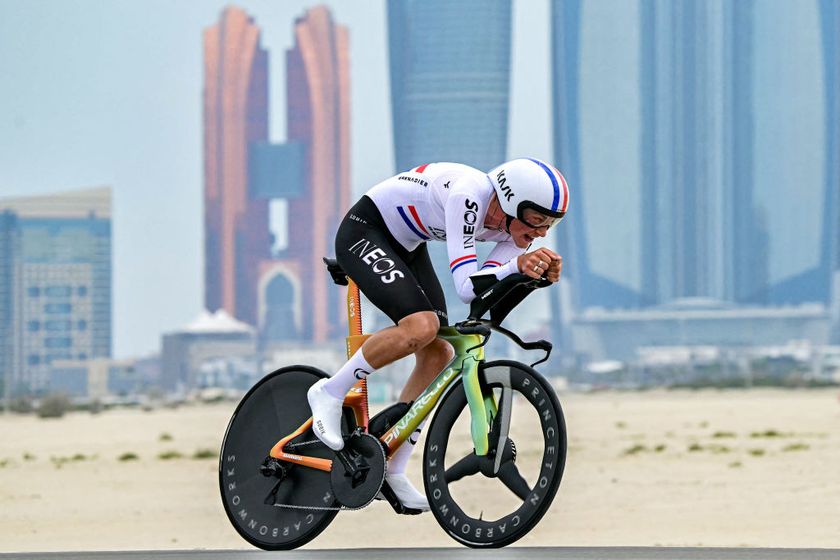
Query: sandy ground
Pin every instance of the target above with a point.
(736, 468)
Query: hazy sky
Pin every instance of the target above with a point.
(108, 92)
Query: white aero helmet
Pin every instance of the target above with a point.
(530, 183)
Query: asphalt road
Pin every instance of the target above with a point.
(512, 553)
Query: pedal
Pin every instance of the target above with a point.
(395, 503)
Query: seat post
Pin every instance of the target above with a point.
(354, 309)
(357, 398)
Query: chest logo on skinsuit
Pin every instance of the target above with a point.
(377, 259)
(470, 218)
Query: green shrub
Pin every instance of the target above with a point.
(168, 455)
(767, 434)
(638, 448)
(723, 435)
(205, 454)
(165, 436)
(129, 456)
(797, 447)
(54, 405)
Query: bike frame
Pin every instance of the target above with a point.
(469, 352)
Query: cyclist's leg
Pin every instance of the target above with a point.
(432, 358)
(376, 263)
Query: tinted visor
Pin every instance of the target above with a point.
(535, 219)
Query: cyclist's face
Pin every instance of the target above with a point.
(524, 234)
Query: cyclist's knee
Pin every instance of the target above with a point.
(441, 349)
(420, 328)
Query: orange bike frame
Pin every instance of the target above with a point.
(357, 397)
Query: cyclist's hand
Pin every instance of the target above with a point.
(541, 263)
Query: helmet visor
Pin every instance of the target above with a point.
(536, 219)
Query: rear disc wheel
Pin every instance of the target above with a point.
(276, 512)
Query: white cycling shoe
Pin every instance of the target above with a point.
(406, 493)
(326, 415)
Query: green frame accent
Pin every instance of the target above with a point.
(482, 408)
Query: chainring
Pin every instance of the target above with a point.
(366, 450)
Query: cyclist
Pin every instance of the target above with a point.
(381, 245)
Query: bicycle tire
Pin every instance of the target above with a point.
(273, 408)
(537, 398)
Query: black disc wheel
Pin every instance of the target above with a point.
(493, 500)
(276, 505)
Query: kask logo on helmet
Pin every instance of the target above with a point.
(503, 186)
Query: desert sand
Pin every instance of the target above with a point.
(705, 468)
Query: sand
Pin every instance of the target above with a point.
(707, 468)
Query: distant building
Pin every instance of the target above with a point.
(830, 231)
(94, 379)
(271, 210)
(63, 310)
(296, 295)
(602, 334)
(208, 339)
(235, 116)
(708, 183)
(450, 91)
(449, 102)
(701, 155)
(9, 296)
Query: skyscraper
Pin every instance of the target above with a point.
(696, 116)
(235, 116)
(793, 165)
(450, 84)
(830, 23)
(318, 118)
(450, 81)
(653, 123)
(9, 294)
(63, 306)
(596, 107)
(830, 251)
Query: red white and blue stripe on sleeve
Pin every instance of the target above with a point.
(461, 261)
(490, 264)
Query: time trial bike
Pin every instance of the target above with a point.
(494, 454)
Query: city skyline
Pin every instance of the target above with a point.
(84, 115)
(791, 148)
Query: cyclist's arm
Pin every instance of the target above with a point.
(464, 214)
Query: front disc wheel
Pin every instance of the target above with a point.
(493, 500)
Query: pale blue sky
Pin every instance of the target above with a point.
(108, 92)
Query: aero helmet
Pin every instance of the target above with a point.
(530, 183)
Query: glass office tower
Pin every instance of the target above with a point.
(450, 81)
(64, 301)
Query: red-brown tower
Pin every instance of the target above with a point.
(318, 113)
(235, 115)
